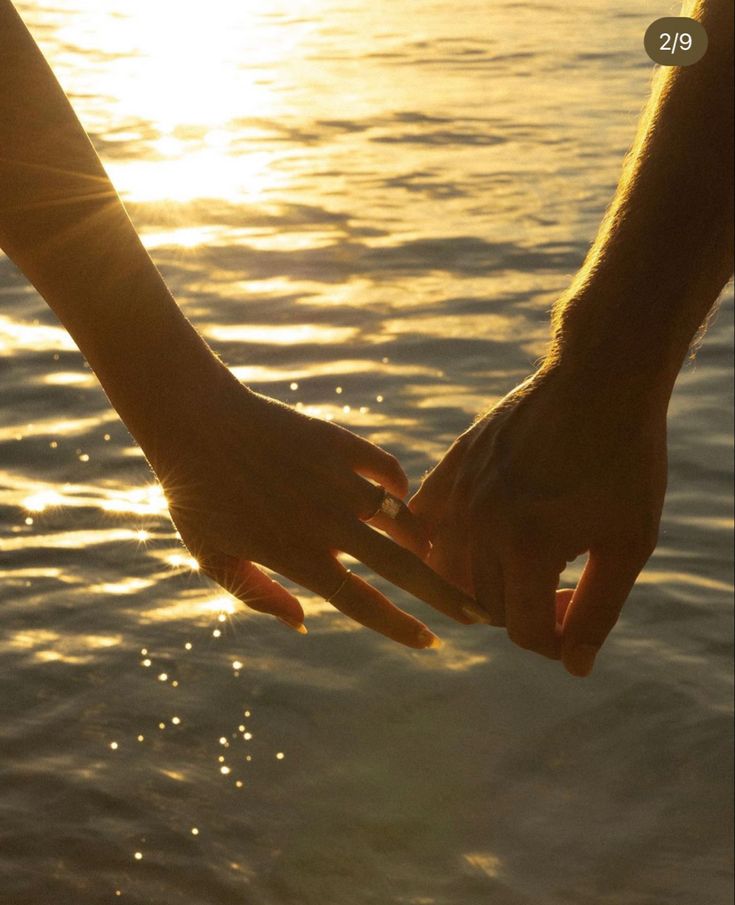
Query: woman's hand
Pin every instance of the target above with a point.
(567, 463)
(249, 480)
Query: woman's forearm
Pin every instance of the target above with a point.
(247, 481)
(664, 250)
(63, 224)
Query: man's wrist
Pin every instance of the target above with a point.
(611, 336)
(601, 377)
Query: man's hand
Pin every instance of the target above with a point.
(565, 464)
(575, 459)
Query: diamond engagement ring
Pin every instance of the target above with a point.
(389, 505)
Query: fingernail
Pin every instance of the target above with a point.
(582, 659)
(296, 626)
(428, 640)
(476, 616)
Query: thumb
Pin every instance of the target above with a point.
(606, 581)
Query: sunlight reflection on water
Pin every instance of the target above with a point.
(367, 208)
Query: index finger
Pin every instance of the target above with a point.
(406, 571)
(603, 588)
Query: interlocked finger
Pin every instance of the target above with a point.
(397, 521)
(403, 569)
(390, 514)
(450, 557)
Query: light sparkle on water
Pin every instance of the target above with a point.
(156, 103)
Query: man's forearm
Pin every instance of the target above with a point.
(664, 250)
(63, 224)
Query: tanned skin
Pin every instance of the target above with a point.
(248, 480)
(573, 461)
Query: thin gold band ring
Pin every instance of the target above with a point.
(342, 584)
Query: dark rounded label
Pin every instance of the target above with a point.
(675, 41)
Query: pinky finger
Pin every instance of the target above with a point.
(245, 581)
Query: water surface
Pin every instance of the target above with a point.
(367, 208)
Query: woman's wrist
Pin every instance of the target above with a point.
(158, 373)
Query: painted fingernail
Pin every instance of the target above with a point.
(296, 626)
(428, 640)
(582, 659)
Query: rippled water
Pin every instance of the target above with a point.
(367, 208)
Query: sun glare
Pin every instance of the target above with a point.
(187, 88)
(198, 64)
